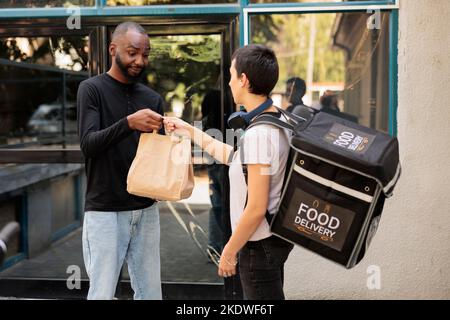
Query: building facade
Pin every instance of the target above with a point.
(382, 62)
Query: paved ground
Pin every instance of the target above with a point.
(181, 258)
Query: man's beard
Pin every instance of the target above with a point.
(126, 74)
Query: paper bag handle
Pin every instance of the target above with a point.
(172, 135)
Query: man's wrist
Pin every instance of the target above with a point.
(130, 122)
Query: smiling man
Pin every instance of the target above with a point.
(113, 108)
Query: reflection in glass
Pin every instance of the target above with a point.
(185, 70)
(162, 2)
(10, 211)
(44, 3)
(45, 199)
(343, 59)
(39, 80)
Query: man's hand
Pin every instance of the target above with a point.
(145, 120)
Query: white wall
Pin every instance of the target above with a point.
(412, 245)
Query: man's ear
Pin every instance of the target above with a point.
(112, 49)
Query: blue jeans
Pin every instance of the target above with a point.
(111, 237)
(261, 268)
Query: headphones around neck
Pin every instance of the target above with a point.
(241, 119)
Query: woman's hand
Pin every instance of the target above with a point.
(227, 264)
(178, 126)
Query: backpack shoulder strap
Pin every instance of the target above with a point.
(272, 120)
(265, 119)
(292, 117)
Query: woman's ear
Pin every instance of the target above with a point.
(243, 81)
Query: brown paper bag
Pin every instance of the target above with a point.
(162, 168)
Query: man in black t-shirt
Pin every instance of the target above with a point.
(113, 108)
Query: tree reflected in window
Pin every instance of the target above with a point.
(342, 57)
(183, 69)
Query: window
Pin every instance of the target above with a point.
(185, 70)
(342, 57)
(39, 81)
(10, 210)
(45, 198)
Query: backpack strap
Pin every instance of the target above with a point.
(292, 117)
(272, 120)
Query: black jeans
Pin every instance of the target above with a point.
(261, 268)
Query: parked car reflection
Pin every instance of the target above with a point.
(48, 118)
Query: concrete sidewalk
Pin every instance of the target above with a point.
(182, 261)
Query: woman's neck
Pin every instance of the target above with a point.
(252, 102)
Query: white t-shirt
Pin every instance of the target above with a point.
(263, 144)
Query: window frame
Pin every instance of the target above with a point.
(100, 9)
(98, 30)
(50, 155)
(357, 6)
(242, 8)
(42, 22)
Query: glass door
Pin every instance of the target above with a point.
(186, 67)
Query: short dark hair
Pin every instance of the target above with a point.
(329, 100)
(298, 89)
(260, 65)
(122, 29)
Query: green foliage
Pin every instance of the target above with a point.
(289, 35)
(184, 67)
(265, 28)
(43, 50)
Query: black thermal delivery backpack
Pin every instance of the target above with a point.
(338, 176)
